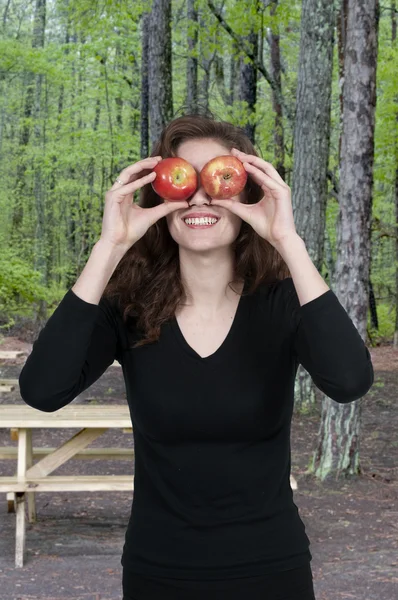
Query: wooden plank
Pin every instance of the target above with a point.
(20, 533)
(5, 381)
(8, 385)
(78, 416)
(11, 453)
(25, 438)
(10, 354)
(68, 483)
(6, 388)
(24, 462)
(61, 455)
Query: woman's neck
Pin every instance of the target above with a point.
(206, 279)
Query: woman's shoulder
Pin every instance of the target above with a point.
(125, 324)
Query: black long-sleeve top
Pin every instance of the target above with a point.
(212, 497)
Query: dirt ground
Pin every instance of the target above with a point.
(73, 550)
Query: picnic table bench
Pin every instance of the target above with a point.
(32, 477)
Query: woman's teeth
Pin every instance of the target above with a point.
(202, 221)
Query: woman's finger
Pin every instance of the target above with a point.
(244, 211)
(132, 170)
(262, 178)
(125, 190)
(259, 163)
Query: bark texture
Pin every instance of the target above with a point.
(248, 85)
(160, 73)
(311, 144)
(338, 451)
(279, 138)
(145, 85)
(192, 61)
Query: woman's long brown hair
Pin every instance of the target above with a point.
(147, 280)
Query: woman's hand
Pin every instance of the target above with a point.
(124, 222)
(271, 217)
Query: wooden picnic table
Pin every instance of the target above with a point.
(32, 477)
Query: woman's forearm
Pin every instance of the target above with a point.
(307, 280)
(98, 270)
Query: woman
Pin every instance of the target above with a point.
(209, 369)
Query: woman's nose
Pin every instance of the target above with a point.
(199, 197)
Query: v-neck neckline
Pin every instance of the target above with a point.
(223, 348)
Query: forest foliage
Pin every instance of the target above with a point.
(57, 162)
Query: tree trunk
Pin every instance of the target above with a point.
(5, 13)
(248, 84)
(341, 34)
(94, 207)
(232, 72)
(40, 245)
(205, 63)
(145, 85)
(55, 240)
(279, 137)
(338, 449)
(393, 39)
(119, 61)
(192, 61)
(396, 239)
(73, 208)
(160, 71)
(311, 145)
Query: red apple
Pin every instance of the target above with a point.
(176, 179)
(223, 177)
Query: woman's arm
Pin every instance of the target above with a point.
(79, 340)
(326, 341)
(308, 282)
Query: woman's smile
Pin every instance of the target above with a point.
(201, 223)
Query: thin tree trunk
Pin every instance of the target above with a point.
(5, 13)
(279, 137)
(338, 449)
(40, 234)
(145, 85)
(248, 84)
(119, 63)
(393, 40)
(57, 241)
(40, 246)
(192, 61)
(234, 65)
(342, 35)
(205, 63)
(72, 234)
(311, 145)
(84, 203)
(160, 69)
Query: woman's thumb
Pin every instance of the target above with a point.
(168, 207)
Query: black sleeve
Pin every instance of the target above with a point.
(72, 351)
(329, 346)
